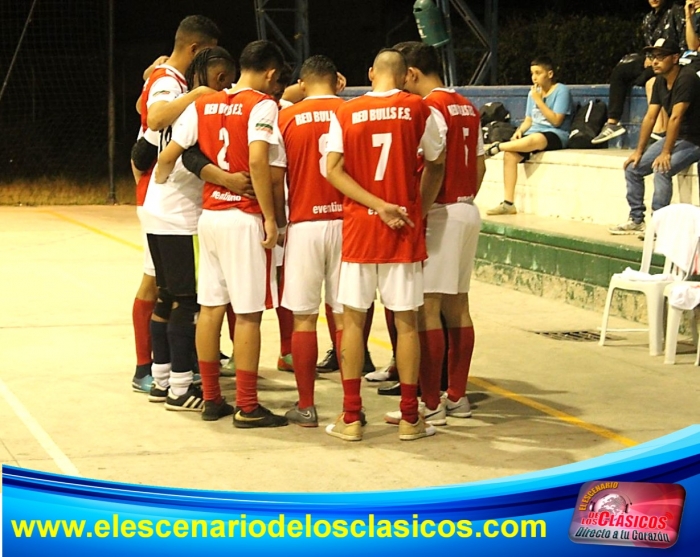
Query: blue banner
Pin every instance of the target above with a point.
(531, 514)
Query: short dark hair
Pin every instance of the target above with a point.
(321, 68)
(285, 75)
(197, 28)
(260, 56)
(543, 61)
(421, 56)
(398, 63)
(205, 59)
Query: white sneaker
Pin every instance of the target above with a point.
(628, 228)
(432, 417)
(386, 374)
(459, 409)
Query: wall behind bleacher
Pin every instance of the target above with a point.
(514, 99)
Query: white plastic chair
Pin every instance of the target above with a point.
(673, 324)
(652, 289)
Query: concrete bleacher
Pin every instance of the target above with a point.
(558, 245)
(514, 98)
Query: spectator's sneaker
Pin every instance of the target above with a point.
(157, 393)
(503, 208)
(191, 401)
(628, 228)
(657, 136)
(142, 384)
(304, 417)
(260, 417)
(329, 363)
(433, 417)
(368, 366)
(229, 368)
(285, 363)
(213, 411)
(196, 379)
(411, 432)
(346, 432)
(608, 132)
(389, 373)
(459, 409)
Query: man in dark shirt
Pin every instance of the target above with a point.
(677, 89)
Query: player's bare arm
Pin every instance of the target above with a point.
(198, 164)
(261, 176)
(157, 62)
(162, 114)
(166, 161)
(278, 174)
(238, 182)
(431, 182)
(391, 214)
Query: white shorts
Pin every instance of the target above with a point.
(400, 285)
(148, 267)
(312, 256)
(452, 235)
(233, 266)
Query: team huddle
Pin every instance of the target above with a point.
(374, 193)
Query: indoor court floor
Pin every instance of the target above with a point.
(69, 275)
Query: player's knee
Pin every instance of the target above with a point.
(185, 310)
(164, 304)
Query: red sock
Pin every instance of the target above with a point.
(338, 353)
(331, 325)
(409, 403)
(391, 327)
(352, 400)
(286, 324)
(368, 324)
(231, 319)
(210, 380)
(246, 390)
(432, 353)
(459, 360)
(141, 317)
(305, 354)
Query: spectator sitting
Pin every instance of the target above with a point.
(664, 21)
(677, 89)
(692, 32)
(546, 128)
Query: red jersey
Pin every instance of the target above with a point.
(463, 129)
(381, 134)
(173, 87)
(227, 123)
(304, 127)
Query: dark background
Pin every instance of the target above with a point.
(53, 114)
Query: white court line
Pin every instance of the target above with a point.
(43, 438)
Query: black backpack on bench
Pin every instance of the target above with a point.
(495, 123)
(588, 121)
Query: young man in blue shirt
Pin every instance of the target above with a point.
(546, 128)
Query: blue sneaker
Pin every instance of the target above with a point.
(196, 379)
(142, 385)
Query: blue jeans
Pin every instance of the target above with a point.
(684, 154)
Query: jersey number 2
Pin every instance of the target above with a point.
(221, 157)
